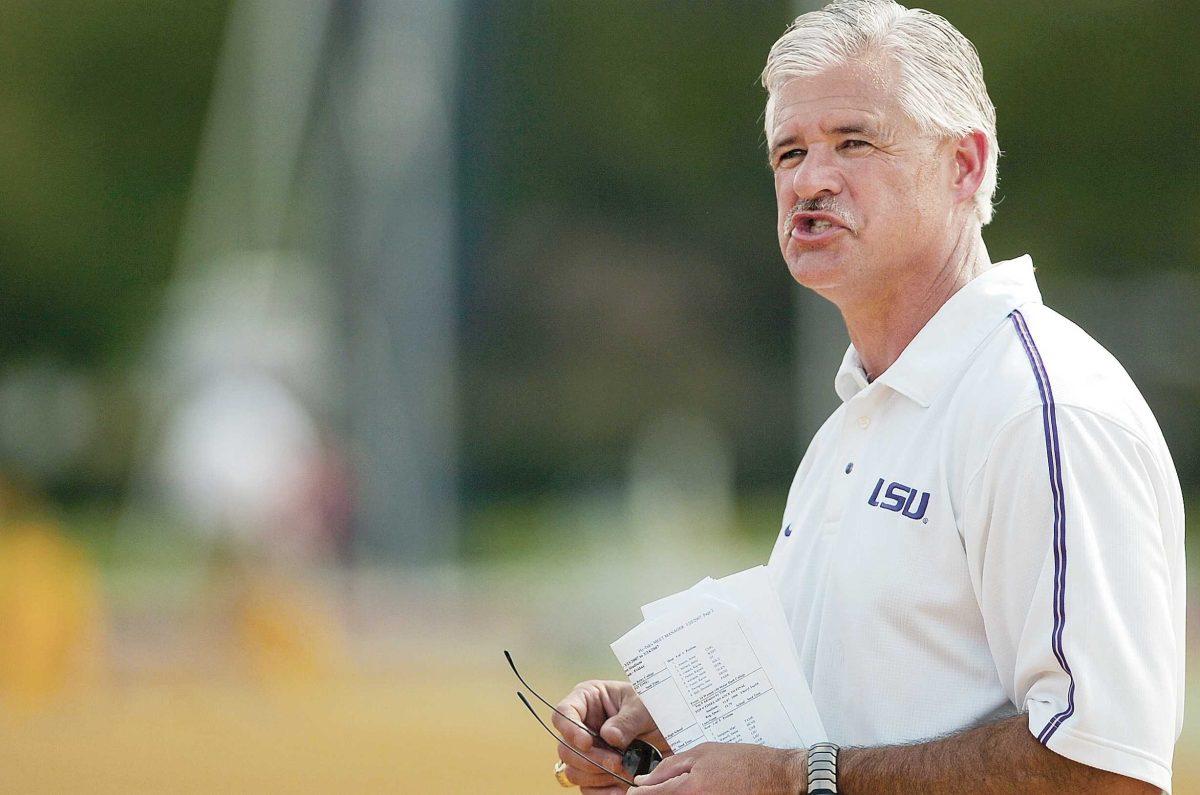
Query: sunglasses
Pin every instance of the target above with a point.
(638, 759)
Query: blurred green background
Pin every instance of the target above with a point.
(343, 343)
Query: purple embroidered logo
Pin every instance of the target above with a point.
(898, 497)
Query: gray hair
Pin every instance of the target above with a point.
(941, 85)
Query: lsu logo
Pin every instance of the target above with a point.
(898, 497)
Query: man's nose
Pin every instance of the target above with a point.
(816, 176)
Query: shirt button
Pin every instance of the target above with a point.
(864, 422)
(849, 467)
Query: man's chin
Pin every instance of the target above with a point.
(816, 271)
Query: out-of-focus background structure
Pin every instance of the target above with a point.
(344, 344)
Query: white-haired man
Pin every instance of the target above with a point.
(981, 557)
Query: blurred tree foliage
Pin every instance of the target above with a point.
(620, 254)
(1095, 105)
(619, 240)
(101, 109)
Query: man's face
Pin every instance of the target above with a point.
(862, 195)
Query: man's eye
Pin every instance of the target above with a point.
(792, 154)
(854, 143)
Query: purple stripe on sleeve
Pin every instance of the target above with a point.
(1054, 465)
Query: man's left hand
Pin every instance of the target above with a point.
(729, 769)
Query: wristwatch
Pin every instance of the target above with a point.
(822, 769)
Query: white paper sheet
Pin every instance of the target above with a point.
(717, 663)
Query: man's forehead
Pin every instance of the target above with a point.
(828, 116)
(852, 94)
(829, 112)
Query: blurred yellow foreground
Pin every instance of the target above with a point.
(261, 690)
(253, 690)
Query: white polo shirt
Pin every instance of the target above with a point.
(992, 526)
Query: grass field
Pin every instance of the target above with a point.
(438, 729)
(390, 683)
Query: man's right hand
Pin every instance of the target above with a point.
(618, 714)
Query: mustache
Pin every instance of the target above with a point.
(824, 204)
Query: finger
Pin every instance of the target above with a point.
(669, 768)
(605, 763)
(631, 721)
(590, 777)
(602, 772)
(603, 757)
(582, 705)
(674, 785)
(607, 757)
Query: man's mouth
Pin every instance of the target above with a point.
(814, 225)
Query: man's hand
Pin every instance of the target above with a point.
(727, 768)
(618, 714)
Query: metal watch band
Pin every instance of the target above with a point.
(822, 769)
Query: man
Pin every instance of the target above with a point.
(981, 557)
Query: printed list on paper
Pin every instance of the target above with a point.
(716, 663)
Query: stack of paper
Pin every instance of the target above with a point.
(717, 663)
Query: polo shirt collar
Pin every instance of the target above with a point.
(943, 346)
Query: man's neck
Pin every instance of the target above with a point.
(881, 328)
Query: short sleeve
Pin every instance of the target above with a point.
(1077, 561)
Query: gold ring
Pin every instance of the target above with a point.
(560, 774)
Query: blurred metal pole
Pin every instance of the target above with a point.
(820, 344)
(244, 184)
(396, 234)
(820, 340)
(254, 136)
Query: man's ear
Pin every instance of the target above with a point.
(970, 161)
